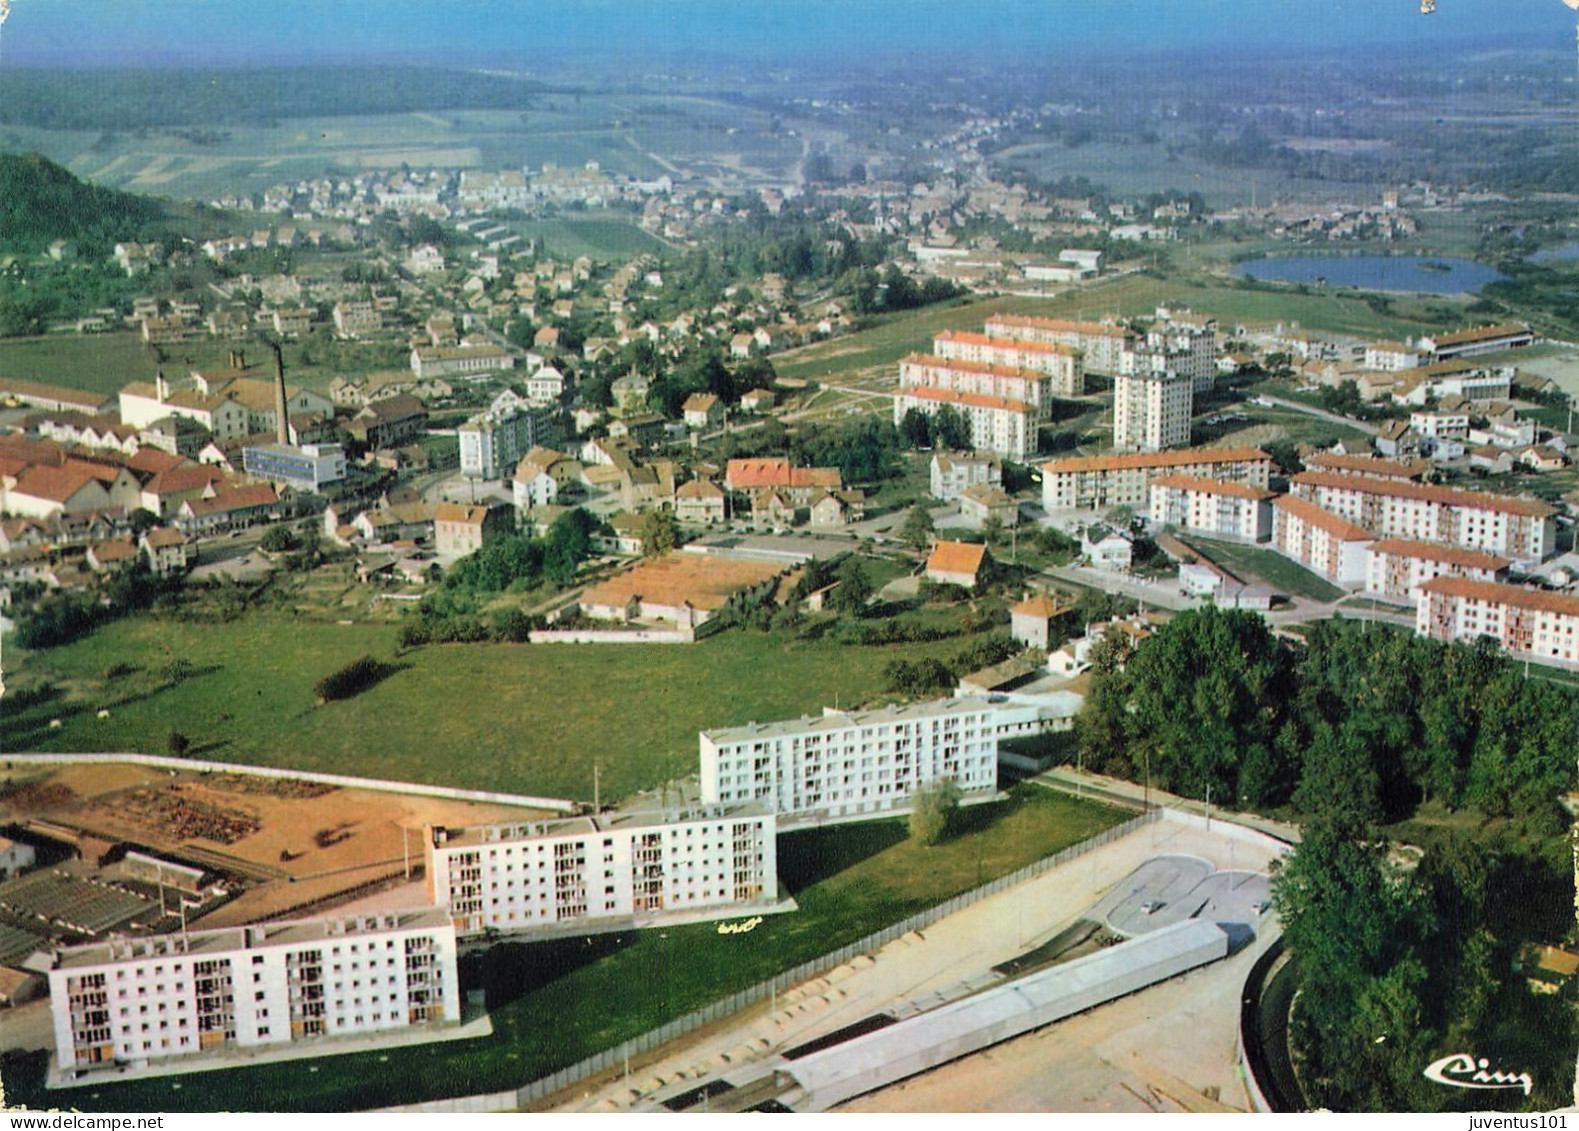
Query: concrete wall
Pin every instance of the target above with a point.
(611, 636)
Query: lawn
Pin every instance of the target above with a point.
(1272, 568)
(554, 1004)
(522, 718)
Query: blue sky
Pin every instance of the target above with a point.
(59, 32)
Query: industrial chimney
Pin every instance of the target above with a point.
(282, 422)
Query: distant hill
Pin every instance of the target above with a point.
(129, 100)
(41, 202)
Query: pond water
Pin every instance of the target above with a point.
(1425, 274)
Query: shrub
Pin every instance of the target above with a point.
(932, 809)
(353, 679)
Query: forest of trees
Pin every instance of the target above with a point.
(1360, 727)
(1384, 719)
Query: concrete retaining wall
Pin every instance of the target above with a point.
(162, 762)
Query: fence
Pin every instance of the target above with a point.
(734, 1003)
(203, 767)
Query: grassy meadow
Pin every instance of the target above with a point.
(522, 718)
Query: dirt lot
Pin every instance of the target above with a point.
(300, 842)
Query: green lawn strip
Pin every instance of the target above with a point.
(522, 718)
(1272, 568)
(554, 1004)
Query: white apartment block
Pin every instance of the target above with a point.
(848, 763)
(605, 871)
(1212, 507)
(1191, 351)
(954, 473)
(493, 443)
(1526, 623)
(1390, 357)
(1102, 343)
(356, 317)
(1099, 482)
(275, 984)
(1064, 364)
(926, 371)
(1320, 541)
(1521, 529)
(1396, 568)
(1005, 427)
(1151, 411)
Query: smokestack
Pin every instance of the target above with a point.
(161, 387)
(282, 422)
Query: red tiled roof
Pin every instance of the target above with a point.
(1370, 465)
(1435, 552)
(239, 498)
(1041, 605)
(965, 337)
(973, 400)
(1186, 457)
(747, 474)
(1447, 496)
(57, 484)
(1312, 515)
(1494, 593)
(957, 557)
(161, 536)
(469, 514)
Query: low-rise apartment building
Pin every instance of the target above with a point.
(1005, 427)
(1321, 541)
(954, 473)
(201, 993)
(1526, 623)
(847, 763)
(1517, 528)
(1102, 344)
(1396, 568)
(1063, 364)
(606, 870)
(1100, 482)
(1213, 507)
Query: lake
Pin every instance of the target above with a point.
(1443, 276)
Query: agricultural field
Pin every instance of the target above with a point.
(611, 236)
(848, 881)
(523, 718)
(625, 134)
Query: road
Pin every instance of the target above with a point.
(1322, 414)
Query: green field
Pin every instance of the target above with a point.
(610, 237)
(522, 718)
(1272, 568)
(554, 1004)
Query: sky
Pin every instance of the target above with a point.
(514, 32)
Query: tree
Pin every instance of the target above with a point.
(659, 533)
(915, 429)
(177, 743)
(950, 429)
(854, 588)
(917, 529)
(932, 809)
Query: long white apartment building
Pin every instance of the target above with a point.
(603, 871)
(1151, 410)
(202, 993)
(1000, 425)
(1526, 623)
(929, 371)
(1213, 507)
(847, 763)
(1063, 364)
(1100, 482)
(1517, 528)
(1102, 344)
(1397, 568)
